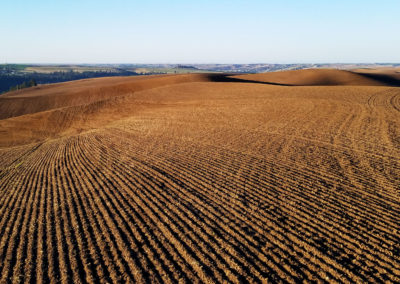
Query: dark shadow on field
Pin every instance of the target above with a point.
(385, 79)
(228, 79)
(389, 80)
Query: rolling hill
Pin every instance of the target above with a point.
(326, 77)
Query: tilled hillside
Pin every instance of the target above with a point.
(204, 182)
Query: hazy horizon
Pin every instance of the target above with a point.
(188, 32)
(196, 63)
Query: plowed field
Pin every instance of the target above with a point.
(194, 178)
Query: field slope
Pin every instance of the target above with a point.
(202, 178)
(327, 77)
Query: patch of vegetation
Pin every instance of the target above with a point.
(12, 67)
(24, 85)
(15, 80)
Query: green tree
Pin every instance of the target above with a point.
(32, 83)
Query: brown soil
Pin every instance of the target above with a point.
(192, 178)
(328, 77)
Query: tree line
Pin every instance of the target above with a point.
(20, 80)
(25, 84)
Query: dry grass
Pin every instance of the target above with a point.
(178, 179)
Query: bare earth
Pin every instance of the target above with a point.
(200, 178)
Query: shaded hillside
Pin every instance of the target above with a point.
(323, 77)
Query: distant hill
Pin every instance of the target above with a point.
(324, 77)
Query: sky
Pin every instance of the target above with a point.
(218, 31)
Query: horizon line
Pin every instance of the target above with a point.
(194, 63)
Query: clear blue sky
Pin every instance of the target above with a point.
(219, 31)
